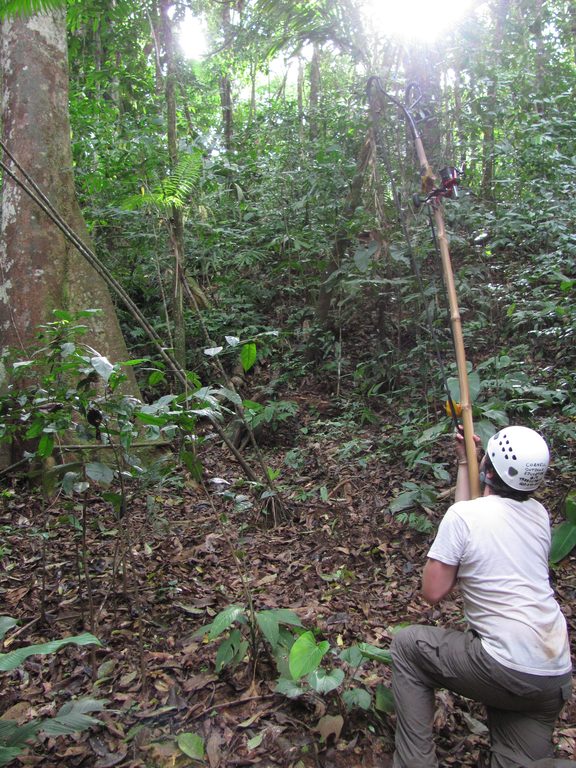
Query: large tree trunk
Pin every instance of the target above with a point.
(315, 85)
(225, 82)
(176, 223)
(489, 127)
(39, 269)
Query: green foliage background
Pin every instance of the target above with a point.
(289, 224)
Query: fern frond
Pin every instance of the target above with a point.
(28, 7)
(174, 190)
(182, 181)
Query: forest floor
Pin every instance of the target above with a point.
(347, 567)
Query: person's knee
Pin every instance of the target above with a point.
(404, 640)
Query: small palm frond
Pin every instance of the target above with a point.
(28, 7)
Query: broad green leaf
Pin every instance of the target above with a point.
(19, 734)
(485, 429)
(324, 682)
(431, 434)
(252, 405)
(306, 654)
(225, 654)
(374, 653)
(384, 699)
(67, 725)
(248, 355)
(155, 378)
(289, 688)
(46, 445)
(286, 616)
(35, 429)
(474, 386)
(151, 418)
(571, 508)
(134, 362)
(352, 656)
(231, 650)
(229, 394)
(404, 500)
(72, 717)
(357, 698)
(13, 659)
(6, 623)
(59, 314)
(563, 541)
(100, 473)
(14, 735)
(115, 499)
(225, 619)
(9, 754)
(192, 745)
(363, 255)
(192, 464)
(69, 482)
(268, 624)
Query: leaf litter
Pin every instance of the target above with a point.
(348, 568)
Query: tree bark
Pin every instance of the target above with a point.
(313, 116)
(176, 223)
(489, 130)
(225, 84)
(39, 269)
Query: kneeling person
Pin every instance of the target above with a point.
(515, 656)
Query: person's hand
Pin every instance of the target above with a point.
(460, 446)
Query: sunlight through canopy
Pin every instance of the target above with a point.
(419, 20)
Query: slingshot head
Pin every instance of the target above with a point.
(450, 178)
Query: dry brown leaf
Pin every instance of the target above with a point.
(19, 712)
(213, 751)
(197, 682)
(330, 725)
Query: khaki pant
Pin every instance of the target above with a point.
(522, 708)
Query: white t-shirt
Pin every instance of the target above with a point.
(501, 547)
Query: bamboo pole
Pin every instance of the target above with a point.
(428, 189)
(427, 176)
(467, 421)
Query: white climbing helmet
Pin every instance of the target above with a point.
(520, 456)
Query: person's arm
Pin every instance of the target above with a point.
(438, 580)
(462, 492)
